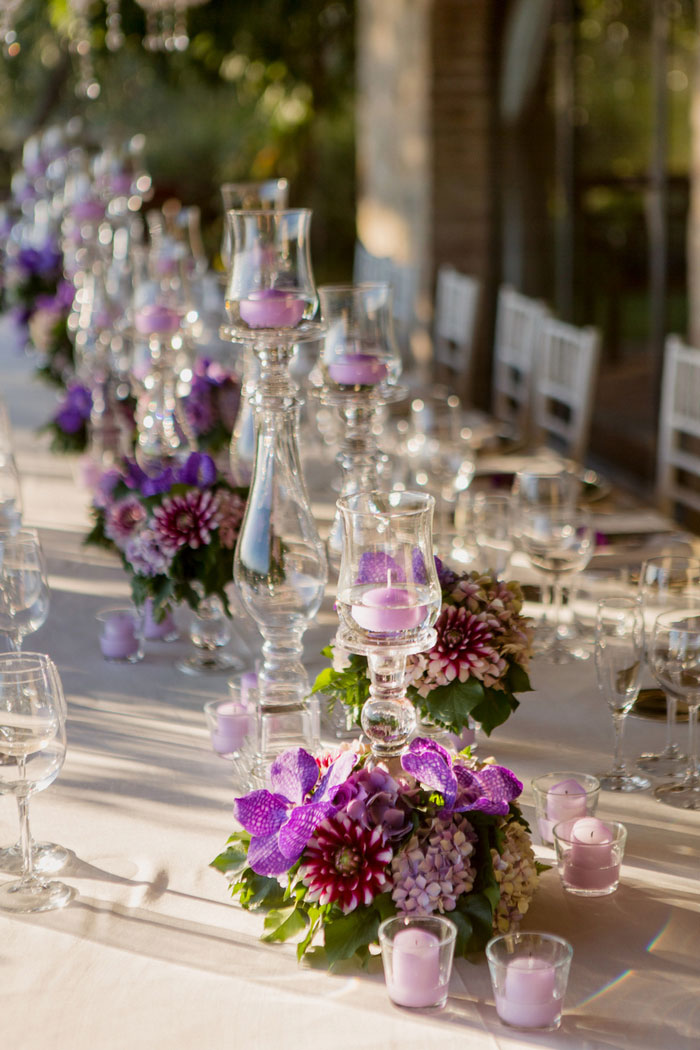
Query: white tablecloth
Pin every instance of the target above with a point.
(152, 953)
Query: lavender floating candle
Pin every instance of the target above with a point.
(388, 609)
(357, 370)
(272, 308)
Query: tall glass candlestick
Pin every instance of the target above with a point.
(388, 600)
(280, 565)
(360, 365)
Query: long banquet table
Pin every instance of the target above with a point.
(153, 953)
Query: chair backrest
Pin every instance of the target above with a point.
(564, 385)
(456, 306)
(370, 268)
(518, 320)
(678, 443)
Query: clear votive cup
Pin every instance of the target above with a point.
(563, 796)
(529, 974)
(229, 722)
(121, 633)
(417, 953)
(589, 855)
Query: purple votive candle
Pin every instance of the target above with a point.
(119, 639)
(357, 370)
(528, 998)
(248, 684)
(589, 854)
(157, 320)
(415, 973)
(164, 630)
(390, 609)
(229, 724)
(272, 308)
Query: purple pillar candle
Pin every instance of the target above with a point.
(528, 996)
(119, 639)
(414, 979)
(248, 685)
(390, 609)
(229, 724)
(157, 320)
(589, 854)
(164, 630)
(357, 370)
(272, 308)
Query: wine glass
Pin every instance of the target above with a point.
(10, 493)
(663, 583)
(492, 522)
(619, 656)
(24, 589)
(543, 483)
(558, 542)
(24, 606)
(32, 750)
(674, 655)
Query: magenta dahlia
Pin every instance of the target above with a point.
(464, 649)
(345, 863)
(229, 517)
(186, 520)
(122, 520)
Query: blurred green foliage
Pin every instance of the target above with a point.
(265, 88)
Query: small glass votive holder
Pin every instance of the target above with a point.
(121, 633)
(417, 953)
(589, 855)
(159, 630)
(563, 796)
(229, 722)
(529, 975)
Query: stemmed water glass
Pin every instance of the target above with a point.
(664, 582)
(674, 655)
(24, 606)
(559, 543)
(10, 493)
(24, 589)
(619, 657)
(32, 750)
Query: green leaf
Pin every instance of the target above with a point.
(233, 860)
(494, 709)
(284, 924)
(477, 912)
(518, 679)
(450, 705)
(350, 934)
(464, 931)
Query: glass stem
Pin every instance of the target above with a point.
(619, 767)
(15, 642)
(25, 838)
(556, 606)
(671, 748)
(693, 742)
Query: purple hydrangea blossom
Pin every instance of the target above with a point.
(379, 567)
(146, 555)
(75, 409)
(490, 789)
(199, 406)
(104, 488)
(447, 577)
(371, 798)
(199, 470)
(43, 261)
(283, 820)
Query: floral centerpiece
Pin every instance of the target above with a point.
(175, 533)
(477, 665)
(335, 847)
(212, 404)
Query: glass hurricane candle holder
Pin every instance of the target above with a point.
(563, 796)
(529, 974)
(589, 855)
(388, 601)
(417, 953)
(280, 564)
(360, 365)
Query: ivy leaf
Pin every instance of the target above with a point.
(476, 912)
(232, 861)
(450, 705)
(350, 934)
(493, 710)
(284, 924)
(518, 679)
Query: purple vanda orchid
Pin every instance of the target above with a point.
(489, 790)
(282, 821)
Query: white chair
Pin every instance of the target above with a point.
(518, 320)
(456, 307)
(368, 268)
(678, 451)
(564, 385)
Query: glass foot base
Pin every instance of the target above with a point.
(623, 782)
(682, 796)
(209, 663)
(663, 765)
(34, 895)
(47, 858)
